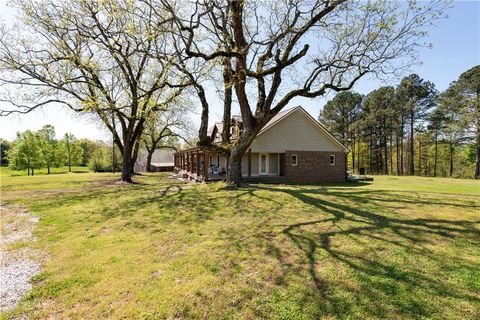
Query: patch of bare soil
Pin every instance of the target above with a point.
(18, 262)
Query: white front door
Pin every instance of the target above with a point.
(263, 163)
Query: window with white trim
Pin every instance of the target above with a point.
(294, 160)
(332, 159)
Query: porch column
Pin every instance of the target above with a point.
(188, 161)
(249, 162)
(205, 164)
(191, 162)
(198, 163)
(197, 156)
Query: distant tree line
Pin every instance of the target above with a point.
(411, 128)
(33, 150)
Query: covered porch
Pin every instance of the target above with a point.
(202, 165)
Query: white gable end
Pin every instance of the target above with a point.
(296, 132)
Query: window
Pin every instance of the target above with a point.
(294, 160)
(332, 159)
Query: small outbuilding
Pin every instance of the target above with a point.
(162, 160)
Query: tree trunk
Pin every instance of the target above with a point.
(451, 159)
(127, 162)
(435, 161)
(353, 154)
(149, 160)
(477, 157)
(33, 173)
(48, 169)
(114, 162)
(28, 171)
(385, 147)
(391, 152)
(69, 157)
(234, 162)
(401, 144)
(136, 147)
(412, 147)
(234, 171)
(398, 154)
(227, 102)
(419, 157)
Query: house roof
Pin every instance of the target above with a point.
(279, 116)
(282, 115)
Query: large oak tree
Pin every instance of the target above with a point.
(271, 52)
(92, 57)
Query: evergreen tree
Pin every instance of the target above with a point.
(418, 97)
(339, 116)
(435, 127)
(378, 115)
(466, 94)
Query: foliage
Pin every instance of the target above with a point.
(88, 148)
(106, 58)
(53, 155)
(411, 126)
(378, 115)
(165, 129)
(261, 50)
(26, 152)
(5, 145)
(46, 151)
(72, 150)
(101, 159)
(340, 114)
(463, 95)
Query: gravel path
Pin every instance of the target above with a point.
(17, 265)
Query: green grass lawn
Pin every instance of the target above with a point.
(398, 248)
(7, 172)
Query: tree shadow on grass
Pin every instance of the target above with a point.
(380, 278)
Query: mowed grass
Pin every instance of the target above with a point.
(7, 172)
(397, 248)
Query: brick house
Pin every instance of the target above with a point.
(292, 146)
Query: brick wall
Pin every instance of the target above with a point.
(314, 166)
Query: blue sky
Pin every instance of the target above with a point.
(456, 48)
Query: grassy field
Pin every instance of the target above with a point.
(398, 248)
(7, 172)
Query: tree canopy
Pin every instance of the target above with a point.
(272, 52)
(109, 58)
